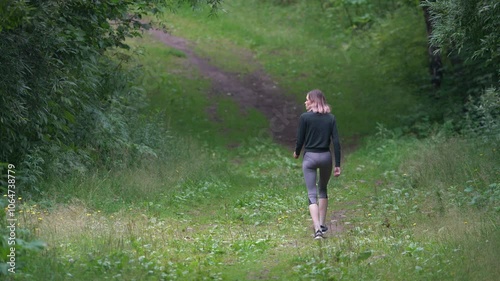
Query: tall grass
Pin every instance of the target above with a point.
(243, 215)
(458, 172)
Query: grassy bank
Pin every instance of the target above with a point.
(368, 78)
(179, 91)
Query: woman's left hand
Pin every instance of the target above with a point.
(336, 172)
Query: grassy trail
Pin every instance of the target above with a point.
(244, 217)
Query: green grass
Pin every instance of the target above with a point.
(174, 87)
(367, 79)
(244, 216)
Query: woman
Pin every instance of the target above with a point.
(317, 129)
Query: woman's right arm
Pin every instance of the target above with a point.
(301, 133)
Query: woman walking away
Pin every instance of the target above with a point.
(317, 130)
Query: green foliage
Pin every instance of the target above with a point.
(483, 116)
(469, 27)
(12, 13)
(466, 35)
(15, 242)
(281, 2)
(53, 74)
(61, 94)
(360, 14)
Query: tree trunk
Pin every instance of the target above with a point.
(435, 64)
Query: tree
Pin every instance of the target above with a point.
(56, 76)
(467, 32)
(435, 63)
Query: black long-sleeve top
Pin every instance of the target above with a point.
(316, 132)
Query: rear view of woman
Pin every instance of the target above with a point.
(317, 130)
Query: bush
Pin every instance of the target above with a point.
(483, 116)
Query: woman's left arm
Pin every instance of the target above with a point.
(336, 143)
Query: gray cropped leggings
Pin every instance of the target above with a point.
(311, 163)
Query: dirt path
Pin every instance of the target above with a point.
(255, 90)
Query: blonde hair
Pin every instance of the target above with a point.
(317, 102)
